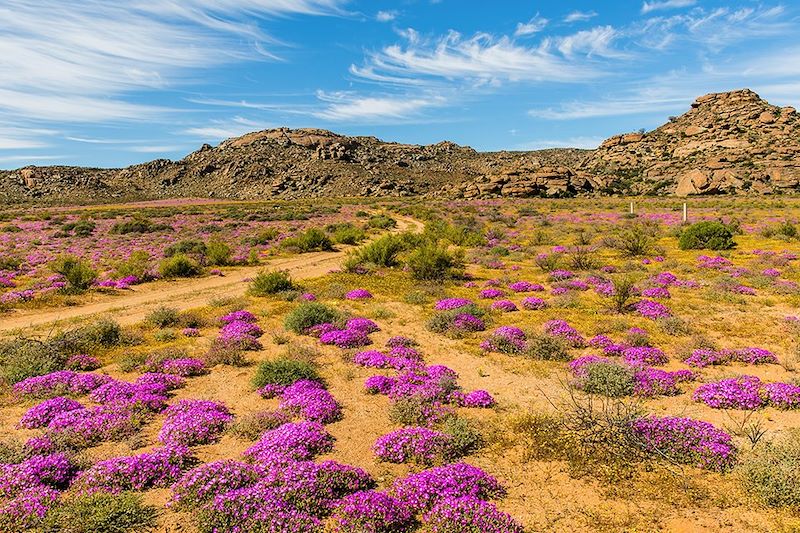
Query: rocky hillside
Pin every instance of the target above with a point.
(726, 143)
(732, 142)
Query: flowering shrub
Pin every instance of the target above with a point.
(505, 339)
(652, 309)
(53, 471)
(184, 366)
(81, 428)
(58, 383)
(166, 381)
(201, 484)
(687, 441)
(299, 441)
(656, 292)
(448, 304)
(238, 316)
(82, 362)
(560, 275)
(379, 384)
(24, 510)
(702, 357)
(525, 286)
(191, 422)
(468, 514)
(358, 294)
(371, 512)
(477, 398)
(504, 305)
(423, 490)
(363, 325)
(310, 400)
(734, 393)
(157, 468)
(399, 340)
(414, 444)
(560, 328)
(190, 332)
(491, 293)
(345, 338)
(782, 395)
(644, 355)
(42, 414)
(533, 304)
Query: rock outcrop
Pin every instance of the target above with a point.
(727, 143)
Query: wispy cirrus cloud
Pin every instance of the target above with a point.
(386, 16)
(81, 61)
(224, 129)
(347, 106)
(649, 7)
(580, 16)
(533, 26)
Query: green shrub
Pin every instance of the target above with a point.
(609, 379)
(466, 436)
(267, 283)
(81, 228)
(382, 252)
(137, 264)
(771, 473)
(24, 358)
(381, 222)
(547, 348)
(309, 314)
(411, 411)
(709, 235)
(9, 262)
(284, 371)
(179, 266)
(165, 335)
(263, 237)
(311, 240)
(635, 241)
(13, 451)
(103, 333)
(433, 262)
(346, 233)
(163, 317)
(100, 513)
(225, 353)
(78, 273)
(623, 294)
(192, 247)
(218, 253)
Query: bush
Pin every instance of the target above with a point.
(383, 252)
(608, 379)
(466, 438)
(310, 314)
(137, 264)
(346, 233)
(263, 237)
(433, 262)
(284, 371)
(381, 222)
(218, 253)
(79, 274)
(253, 425)
(635, 241)
(163, 317)
(190, 247)
(623, 293)
(104, 333)
(709, 235)
(24, 358)
(100, 513)
(179, 266)
(311, 240)
(267, 283)
(547, 348)
(771, 473)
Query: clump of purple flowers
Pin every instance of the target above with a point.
(652, 309)
(743, 392)
(157, 468)
(525, 286)
(59, 383)
(201, 484)
(491, 293)
(298, 441)
(42, 414)
(415, 444)
(345, 338)
(560, 328)
(310, 401)
(371, 512)
(82, 362)
(532, 303)
(192, 422)
(687, 441)
(505, 339)
(644, 355)
(468, 514)
(506, 306)
(358, 294)
(448, 304)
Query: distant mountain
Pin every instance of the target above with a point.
(726, 143)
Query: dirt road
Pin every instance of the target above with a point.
(133, 306)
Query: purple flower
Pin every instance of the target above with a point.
(82, 362)
(504, 305)
(644, 355)
(560, 328)
(533, 304)
(468, 513)
(358, 294)
(652, 309)
(157, 468)
(425, 489)
(477, 398)
(238, 316)
(192, 422)
(452, 303)
(371, 512)
(414, 444)
(42, 414)
(298, 441)
(686, 440)
(345, 338)
(733, 393)
(491, 293)
(310, 400)
(363, 325)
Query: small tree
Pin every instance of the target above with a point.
(433, 262)
(711, 235)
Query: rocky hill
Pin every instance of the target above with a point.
(726, 143)
(732, 142)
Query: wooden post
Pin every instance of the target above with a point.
(631, 208)
(685, 213)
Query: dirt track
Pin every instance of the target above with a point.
(132, 306)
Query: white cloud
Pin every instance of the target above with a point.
(344, 106)
(158, 149)
(79, 61)
(639, 103)
(535, 25)
(580, 16)
(595, 42)
(386, 16)
(648, 7)
(480, 60)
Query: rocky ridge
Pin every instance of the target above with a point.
(731, 142)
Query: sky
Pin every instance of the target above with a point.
(110, 83)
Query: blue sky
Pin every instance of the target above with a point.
(110, 83)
